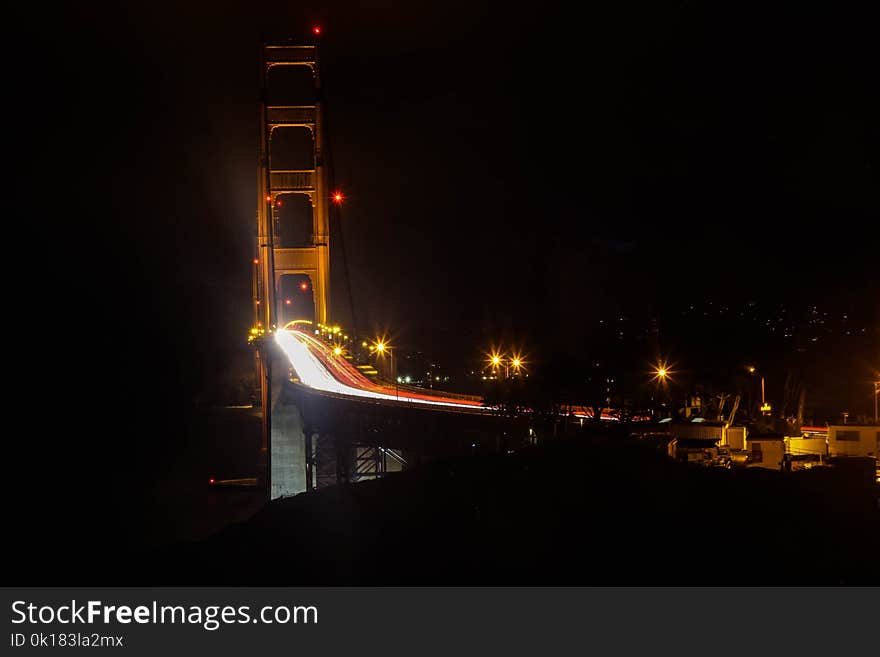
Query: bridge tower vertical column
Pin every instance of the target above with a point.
(321, 205)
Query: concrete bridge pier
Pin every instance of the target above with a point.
(288, 438)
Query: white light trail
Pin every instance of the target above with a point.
(312, 372)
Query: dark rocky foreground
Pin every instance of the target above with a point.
(595, 511)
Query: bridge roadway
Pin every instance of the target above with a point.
(318, 367)
(332, 424)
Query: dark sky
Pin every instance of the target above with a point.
(508, 172)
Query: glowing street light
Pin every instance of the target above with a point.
(496, 360)
(765, 407)
(381, 348)
(518, 363)
(337, 351)
(662, 373)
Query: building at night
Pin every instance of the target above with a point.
(853, 440)
(766, 451)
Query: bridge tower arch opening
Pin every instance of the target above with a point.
(294, 221)
(295, 298)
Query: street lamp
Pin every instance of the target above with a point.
(517, 363)
(496, 359)
(662, 373)
(765, 405)
(381, 349)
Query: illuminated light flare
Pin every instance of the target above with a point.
(662, 372)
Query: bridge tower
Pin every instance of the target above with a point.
(273, 262)
(283, 441)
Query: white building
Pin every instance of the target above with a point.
(853, 440)
(765, 451)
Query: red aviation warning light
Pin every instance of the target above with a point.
(288, 301)
(304, 286)
(316, 30)
(338, 198)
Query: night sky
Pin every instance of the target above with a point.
(509, 173)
